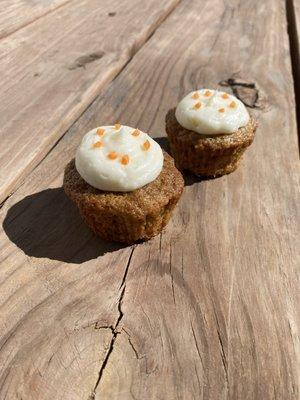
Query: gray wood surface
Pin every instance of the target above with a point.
(15, 14)
(53, 69)
(210, 308)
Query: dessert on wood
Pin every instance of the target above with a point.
(209, 131)
(123, 184)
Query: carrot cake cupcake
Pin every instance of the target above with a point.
(124, 185)
(209, 131)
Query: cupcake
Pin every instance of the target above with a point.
(209, 131)
(123, 184)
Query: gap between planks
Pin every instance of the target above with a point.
(37, 17)
(293, 29)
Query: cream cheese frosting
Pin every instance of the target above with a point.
(118, 158)
(211, 112)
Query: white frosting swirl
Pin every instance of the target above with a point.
(118, 158)
(211, 112)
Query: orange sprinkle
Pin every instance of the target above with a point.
(207, 93)
(124, 159)
(136, 132)
(195, 96)
(112, 155)
(100, 131)
(232, 104)
(197, 106)
(225, 96)
(97, 144)
(146, 145)
(117, 126)
(221, 110)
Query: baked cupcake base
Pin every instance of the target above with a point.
(130, 216)
(209, 156)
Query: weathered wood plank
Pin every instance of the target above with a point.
(15, 14)
(72, 336)
(52, 69)
(208, 310)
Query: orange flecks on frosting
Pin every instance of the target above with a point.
(195, 96)
(146, 145)
(221, 110)
(117, 126)
(100, 131)
(197, 105)
(124, 159)
(207, 93)
(136, 132)
(225, 96)
(97, 144)
(112, 155)
(232, 104)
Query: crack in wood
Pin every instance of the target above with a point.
(197, 347)
(138, 357)
(110, 327)
(4, 200)
(134, 349)
(222, 351)
(171, 276)
(223, 356)
(115, 329)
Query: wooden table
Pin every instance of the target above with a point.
(210, 308)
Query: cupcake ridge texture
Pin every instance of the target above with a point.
(118, 158)
(211, 112)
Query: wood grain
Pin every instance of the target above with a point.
(207, 310)
(15, 14)
(53, 69)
